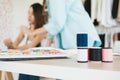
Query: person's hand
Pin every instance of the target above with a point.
(27, 51)
(26, 30)
(8, 43)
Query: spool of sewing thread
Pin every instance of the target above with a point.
(82, 55)
(82, 40)
(107, 55)
(88, 53)
(95, 54)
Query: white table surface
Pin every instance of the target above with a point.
(66, 69)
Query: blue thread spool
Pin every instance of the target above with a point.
(82, 40)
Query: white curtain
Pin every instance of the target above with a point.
(107, 19)
(101, 11)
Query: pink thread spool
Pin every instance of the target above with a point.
(107, 55)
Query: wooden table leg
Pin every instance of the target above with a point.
(8, 76)
(0, 75)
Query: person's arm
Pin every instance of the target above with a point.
(33, 43)
(10, 44)
(40, 31)
(18, 39)
(58, 16)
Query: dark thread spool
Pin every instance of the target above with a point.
(95, 54)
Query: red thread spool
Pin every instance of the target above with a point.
(88, 53)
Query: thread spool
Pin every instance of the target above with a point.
(82, 40)
(95, 54)
(82, 55)
(88, 53)
(107, 55)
